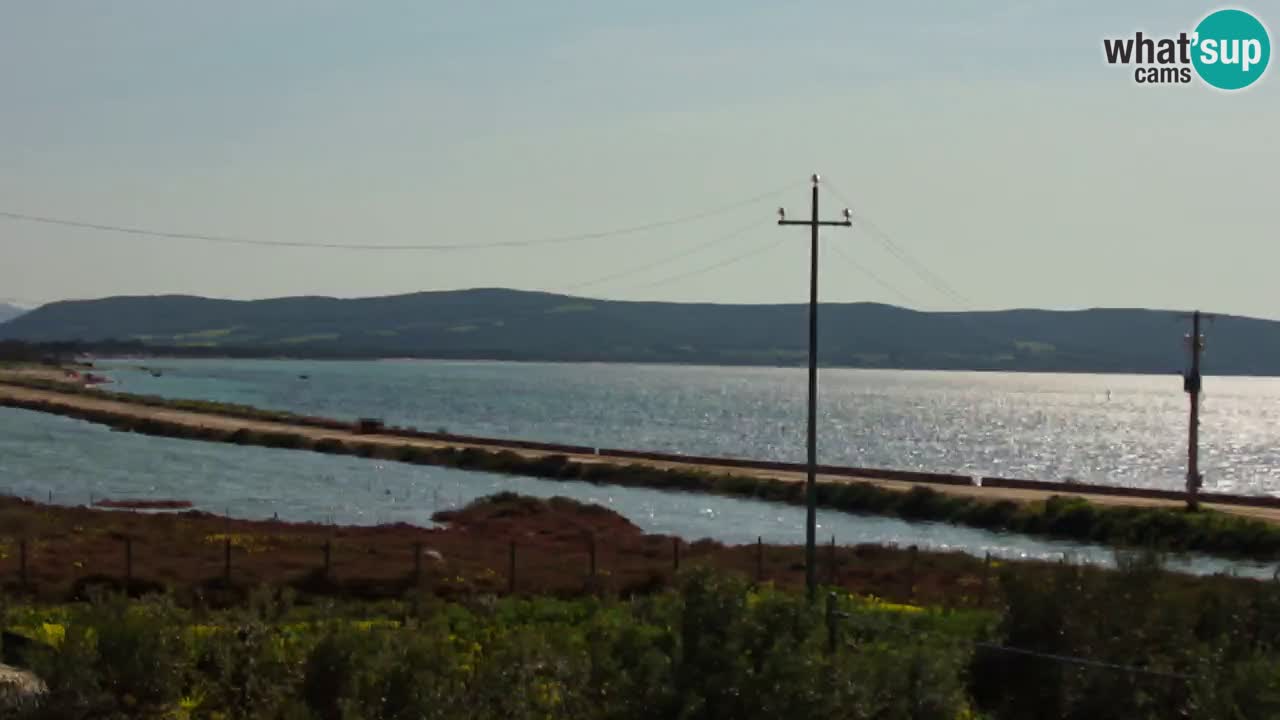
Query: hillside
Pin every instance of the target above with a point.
(8, 312)
(516, 325)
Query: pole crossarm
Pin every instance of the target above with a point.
(832, 223)
(811, 485)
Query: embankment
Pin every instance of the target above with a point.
(1074, 512)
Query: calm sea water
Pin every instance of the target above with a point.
(51, 458)
(1112, 429)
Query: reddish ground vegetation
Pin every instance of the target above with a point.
(68, 549)
(514, 517)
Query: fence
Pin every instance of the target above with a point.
(378, 563)
(525, 571)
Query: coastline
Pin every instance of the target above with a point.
(1113, 516)
(561, 547)
(36, 385)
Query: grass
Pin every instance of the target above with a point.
(716, 647)
(206, 334)
(1065, 642)
(315, 337)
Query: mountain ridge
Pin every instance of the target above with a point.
(505, 324)
(9, 312)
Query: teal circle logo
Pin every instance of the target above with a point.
(1232, 49)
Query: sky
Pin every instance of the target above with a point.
(988, 142)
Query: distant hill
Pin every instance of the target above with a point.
(9, 312)
(516, 325)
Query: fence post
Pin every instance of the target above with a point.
(591, 550)
(328, 557)
(831, 623)
(22, 561)
(417, 563)
(831, 562)
(511, 569)
(911, 570)
(226, 561)
(128, 560)
(675, 554)
(759, 559)
(986, 578)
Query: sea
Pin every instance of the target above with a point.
(1125, 430)
(1128, 430)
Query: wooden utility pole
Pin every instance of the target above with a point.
(1192, 384)
(811, 482)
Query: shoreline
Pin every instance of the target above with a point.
(74, 547)
(235, 417)
(273, 355)
(557, 546)
(1114, 516)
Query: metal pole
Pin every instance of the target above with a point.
(675, 554)
(811, 445)
(1192, 386)
(226, 561)
(811, 462)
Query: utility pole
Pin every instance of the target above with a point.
(1192, 384)
(811, 480)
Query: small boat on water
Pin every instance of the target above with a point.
(304, 377)
(156, 373)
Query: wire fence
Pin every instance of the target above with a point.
(388, 560)
(512, 567)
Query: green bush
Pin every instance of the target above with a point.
(332, 446)
(1092, 645)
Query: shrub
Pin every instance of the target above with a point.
(330, 445)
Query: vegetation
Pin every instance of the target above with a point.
(1075, 644)
(513, 325)
(71, 551)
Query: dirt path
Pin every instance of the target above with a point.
(230, 424)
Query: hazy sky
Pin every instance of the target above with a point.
(988, 139)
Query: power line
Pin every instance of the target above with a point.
(873, 276)
(902, 254)
(755, 250)
(663, 261)
(224, 239)
(923, 272)
(1086, 662)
